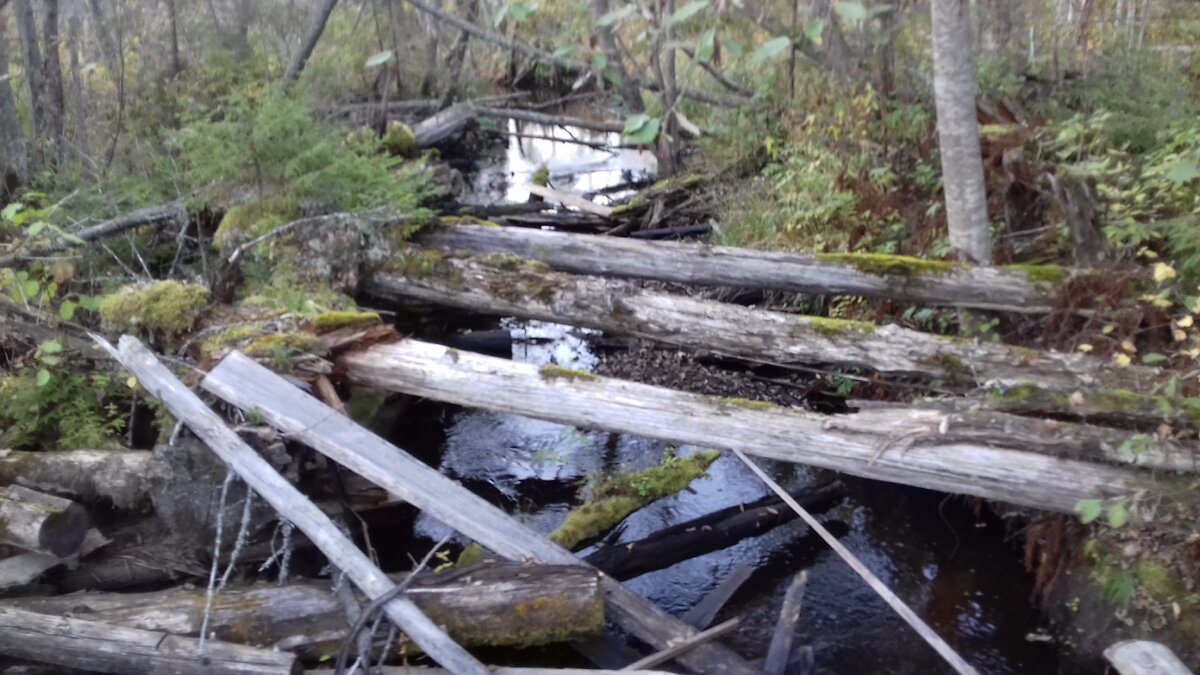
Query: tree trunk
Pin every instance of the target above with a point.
(458, 54)
(607, 41)
(958, 131)
(82, 145)
(52, 79)
(14, 154)
(316, 26)
(176, 61)
(31, 59)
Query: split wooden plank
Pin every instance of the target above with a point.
(287, 501)
(497, 604)
(703, 613)
(683, 646)
(1016, 289)
(42, 523)
(503, 286)
(248, 385)
(780, 649)
(920, 449)
(100, 647)
(572, 200)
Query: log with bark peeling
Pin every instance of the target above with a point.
(246, 384)
(496, 604)
(42, 523)
(100, 647)
(895, 277)
(920, 449)
(501, 285)
(123, 477)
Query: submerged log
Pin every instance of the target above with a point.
(124, 477)
(1016, 288)
(246, 384)
(100, 647)
(923, 450)
(42, 523)
(495, 605)
(508, 286)
(712, 532)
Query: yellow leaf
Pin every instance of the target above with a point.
(1129, 347)
(1185, 322)
(1163, 272)
(1084, 348)
(1180, 335)
(1121, 360)
(1108, 329)
(1161, 303)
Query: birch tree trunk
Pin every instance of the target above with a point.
(14, 155)
(958, 131)
(31, 59)
(316, 26)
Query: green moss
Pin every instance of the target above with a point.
(168, 308)
(400, 140)
(279, 348)
(835, 327)
(247, 221)
(950, 365)
(466, 220)
(541, 177)
(1041, 274)
(748, 404)
(551, 371)
(364, 404)
(1158, 581)
(619, 496)
(1097, 402)
(502, 261)
(417, 263)
(330, 321)
(470, 555)
(230, 337)
(879, 264)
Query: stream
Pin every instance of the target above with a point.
(954, 568)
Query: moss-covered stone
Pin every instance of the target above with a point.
(168, 308)
(551, 371)
(400, 140)
(619, 496)
(326, 322)
(246, 221)
(881, 265)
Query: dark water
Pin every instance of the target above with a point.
(953, 567)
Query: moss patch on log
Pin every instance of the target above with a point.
(400, 140)
(168, 308)
(1096, 402)
(617, 497)
(331, 321)
(246, 221)
(748, 404)
(834, 327)
(881, 265)
(552, 371)
(1053, 275)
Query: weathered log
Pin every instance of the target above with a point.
(123, 477)
(443, 125)
(1141, 657)
(921, 449)
(712, 532)
(1016, 288)
(785, 630)
(39, 522)
(505, 604)
(244, 383)
(288, 501)
(105, 648)
(24, 568)
(566, 221)
(155, 216)
(546, 119)
(502, 285)
(572, 200)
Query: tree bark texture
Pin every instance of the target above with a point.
(39, 522)
(14, 154)
(316, 26)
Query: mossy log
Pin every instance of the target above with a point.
(42, 523)
(123, 477)
(93, 646)
(1030, 289)
(505, 604)
(935, 451)
(505, 285)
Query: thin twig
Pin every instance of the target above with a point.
(683, 645)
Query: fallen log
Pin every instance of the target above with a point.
(259, 475)
(712, 532)
(154, 216)
(503, 285)
(124, 477)
(1017, 288)
(24, 568)
(443, 125)
(572, 200)
(248, 385)
(35, 521)
(505, 604)
(1142, 657)
(921, 450)
(100, 647)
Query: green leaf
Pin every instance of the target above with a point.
(616, 16)
(1172, 387)
(688, 11)
(1088, 510)
(770, 48)
(50, 359)
(851, 11)
(707, 46)
(521, 11)
(500, 16)
(813, 30)
(1183, 172)
(36, 228)
(732, 48)
(50, 347)
(641, 129)
(379, 59)
(43, 377)
(11, 211)
(599, 61)
(1153, 357)
(89, 302)
(1118, 515)
(67, 310)
(30, 288)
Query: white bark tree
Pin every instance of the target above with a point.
(958, 131)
